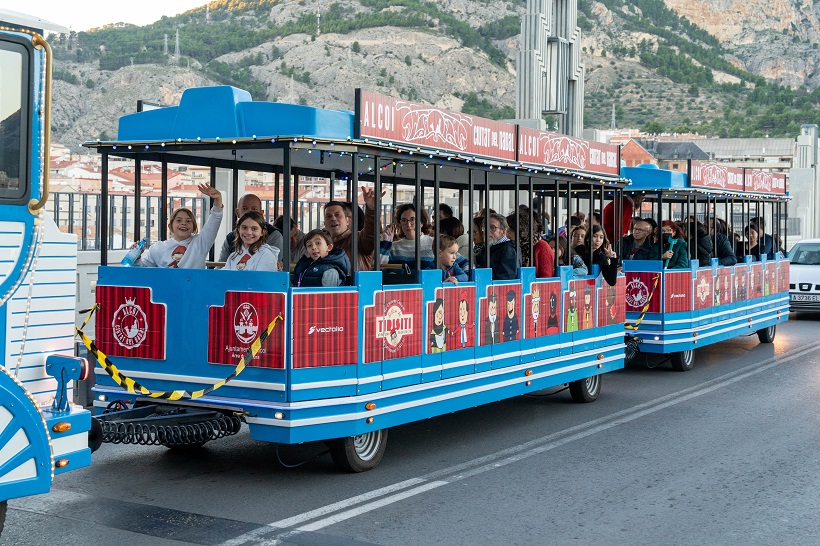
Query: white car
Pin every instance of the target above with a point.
(804, 276)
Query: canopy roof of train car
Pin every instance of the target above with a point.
(222, 126)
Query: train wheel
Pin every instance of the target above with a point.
(3, 506)
(359, 453)
(683, 361)
(766, 335)
(586, 390)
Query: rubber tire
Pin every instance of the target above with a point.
(185, 447)
(95, 435)
(3, 507)
(766, 335)
(586, 390)
(683, 361)
(359, 453)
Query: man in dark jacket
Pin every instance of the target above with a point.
(246, 203)
(724, 251)
(699, 237)
(503, 259)
(638, 246)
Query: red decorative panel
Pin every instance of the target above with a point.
(765, 182)
(579, 305)
(704, 289)
(756, 280)
(129, 324)
(558, 150)
(501, 314)
(770, 280)
(393, 326)
(611, 309)
(451, 319)
(677, 291)
(325, 329)
(723, 286)
(783, 276)
(542, 309)
(233, 327)
(395, 120)
(639, 286)
(741, 283)
(711, 175)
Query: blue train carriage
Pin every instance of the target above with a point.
(343, 364)
(41, 433)
(675, 311)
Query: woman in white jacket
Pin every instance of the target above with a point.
(186, 248)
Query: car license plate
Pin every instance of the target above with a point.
(805, 297)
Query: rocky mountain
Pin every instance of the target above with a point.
(459, 54)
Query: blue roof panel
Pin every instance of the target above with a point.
(650, 177)
(228, 112)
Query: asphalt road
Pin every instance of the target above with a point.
(723, 454)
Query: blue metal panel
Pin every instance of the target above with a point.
(232, 114)
(270, 119)
(651, 178)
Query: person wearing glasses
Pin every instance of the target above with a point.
(398, 244)
(638, 246)
(503, 260)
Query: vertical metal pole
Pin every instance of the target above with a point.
(377, 202)
(556, 200)
(532, 220)
(419, 210)
(124, 222)
(163, 209)
(436, 203)
(286, 213)
(469, 224)
(276, 181)
(354, 221)
(570, 249)
(235, 198)
(138, 199)
(517, 216)
(660, 224)
(487, 244)
(103, 211)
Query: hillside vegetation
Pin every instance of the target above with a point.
(658, 70)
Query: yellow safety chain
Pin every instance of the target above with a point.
(646, 305)
(135, 388)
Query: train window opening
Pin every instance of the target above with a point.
(15, 93)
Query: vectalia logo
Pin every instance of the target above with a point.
(325, 329)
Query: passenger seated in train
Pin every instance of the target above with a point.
(186, 248)
(638, 245)
(543, 255)
(453, 227)
(503, 260)
(769, 247)
(250, 202)
(602, 253)
(447, 254)
(701, 241)
(296, 237)
(577, 236)
(252, 253)
(675, 254)
(339, 222)
(751, 246)
(479, 239)
(724, 252)
(323, 264)
(579, 268)
(398, 241)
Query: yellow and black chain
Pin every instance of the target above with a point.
(135, 388)
(646, 305)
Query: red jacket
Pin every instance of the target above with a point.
(608, 217)
(544, 260)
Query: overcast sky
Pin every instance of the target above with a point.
(82, 15)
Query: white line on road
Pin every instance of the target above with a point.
(473, 467)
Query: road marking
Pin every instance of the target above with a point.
(271, 534)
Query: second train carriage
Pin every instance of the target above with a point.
(347, 363)
(675, 311)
